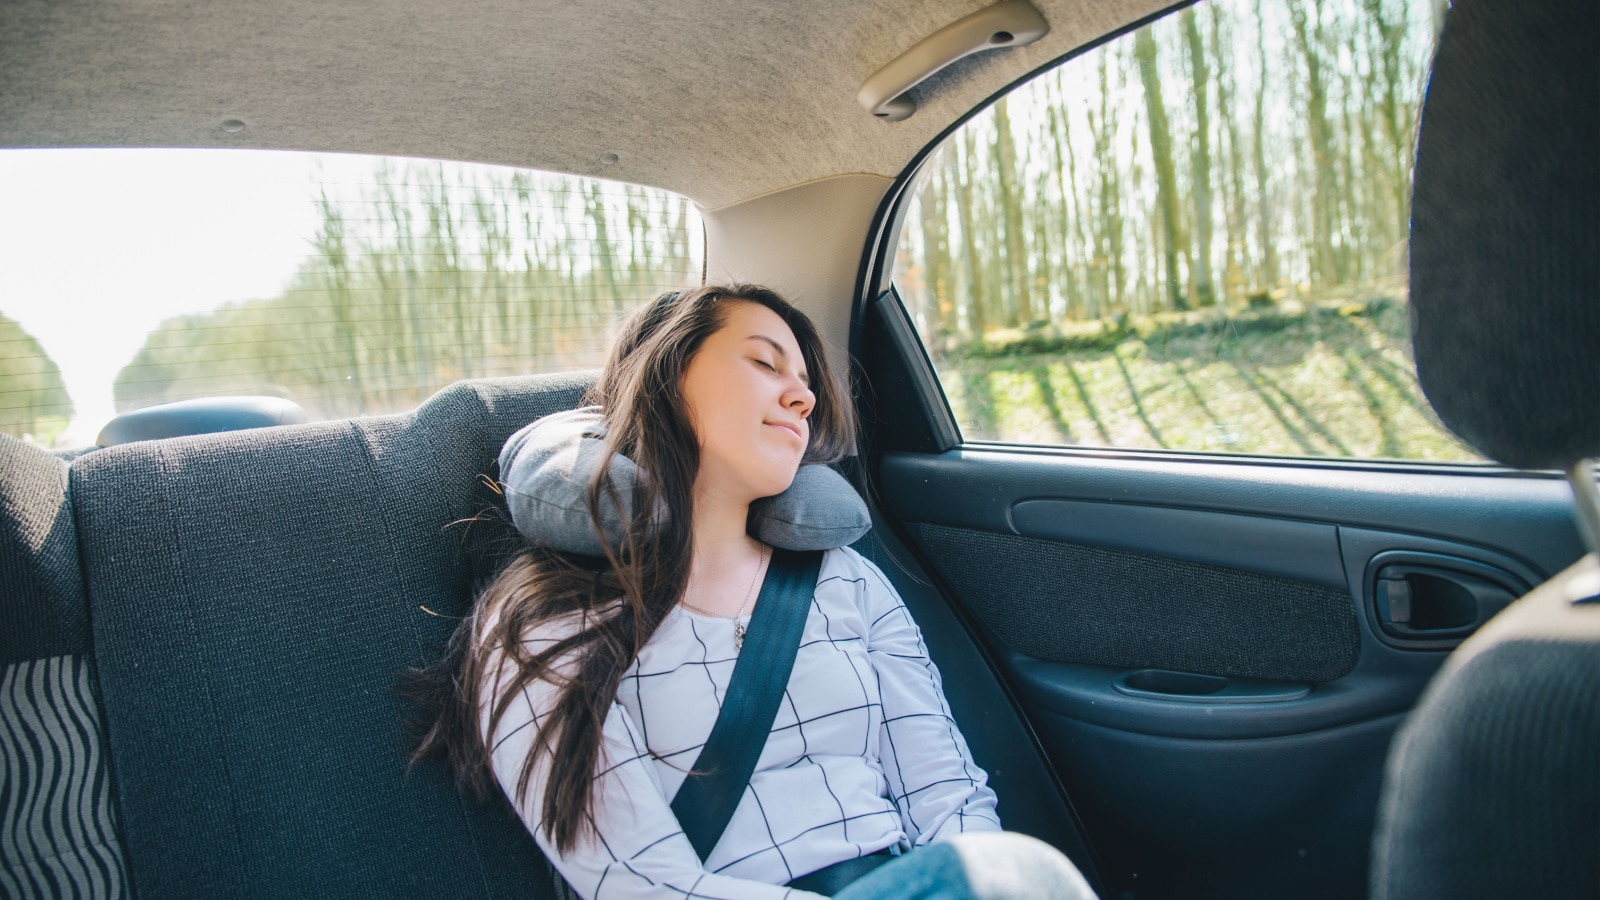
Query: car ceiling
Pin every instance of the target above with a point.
(720, 100)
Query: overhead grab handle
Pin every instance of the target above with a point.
(1010, 23)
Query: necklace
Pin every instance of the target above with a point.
(749, 595)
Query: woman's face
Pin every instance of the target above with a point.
(748, 397)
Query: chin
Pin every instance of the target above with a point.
(773, 483)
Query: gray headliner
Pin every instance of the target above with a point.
(721, 100)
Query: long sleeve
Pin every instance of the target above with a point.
(933, 781)
(640, 851)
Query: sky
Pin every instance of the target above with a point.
(98, 247)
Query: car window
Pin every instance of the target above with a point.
(1190, 238)
(351, 285)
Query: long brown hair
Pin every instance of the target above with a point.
(623, 599)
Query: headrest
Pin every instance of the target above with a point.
(1505, 233)
(205, 415)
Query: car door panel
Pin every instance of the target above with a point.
(1032, 798)
(1195, 640)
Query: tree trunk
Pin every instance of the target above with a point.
(1325, 165)
(1200, 161)
(1011, 202)
(1075, 215)
(605, 255)
(977, 318)
(1144, 51)
(1109, 222)
(1264, 205)
(1396, 125)
(347, 394)
(936, 256)
(1234, 205)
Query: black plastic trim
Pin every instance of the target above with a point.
(1187, 687)
(920, 379)
(1252, 459)
(1092, 694)
(972, 488)
(1490, 589)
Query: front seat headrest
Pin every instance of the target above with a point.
(205, 415)
(1505, 235)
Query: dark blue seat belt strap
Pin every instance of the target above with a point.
(706, 802)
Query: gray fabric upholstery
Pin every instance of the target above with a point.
(1086, 605)
(819, 511)
(1505, 244)
(512, 82)
(1493, 785)
(547, 466)
(254, 596)
(42, 610)
(57, 834)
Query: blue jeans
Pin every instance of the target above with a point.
(976, 866)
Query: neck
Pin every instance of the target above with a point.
(725, 558)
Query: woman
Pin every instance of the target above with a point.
(587, 689)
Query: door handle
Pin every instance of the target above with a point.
(1422, 599)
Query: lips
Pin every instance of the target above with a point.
(786, 426)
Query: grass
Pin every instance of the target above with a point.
(1333, 378)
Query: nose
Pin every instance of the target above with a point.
(800, 398)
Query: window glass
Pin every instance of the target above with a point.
(351, 285)
(1190, 238)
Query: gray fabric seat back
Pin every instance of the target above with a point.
(1493, 784)
(254, 596)
(57, 831)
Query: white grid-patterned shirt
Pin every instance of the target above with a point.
(863, 754)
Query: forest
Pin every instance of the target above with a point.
(1231, 150)
(33, 400)
(426, 274)
(1191, 237)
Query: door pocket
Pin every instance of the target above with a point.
(1191, 687)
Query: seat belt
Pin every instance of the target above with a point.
(708, 797)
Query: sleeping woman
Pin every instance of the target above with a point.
(593, 667)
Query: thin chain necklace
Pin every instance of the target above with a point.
(749, 595)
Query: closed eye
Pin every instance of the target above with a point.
(765, 365)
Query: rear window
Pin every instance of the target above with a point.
(351, 285)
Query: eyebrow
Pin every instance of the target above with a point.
(781, 352)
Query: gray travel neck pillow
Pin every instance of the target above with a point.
(545, 469)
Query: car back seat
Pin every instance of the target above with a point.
(253, 596)
(57, 833)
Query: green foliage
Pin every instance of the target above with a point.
(423, 278)
(1191, 238)
(1241, 150)
(1329, 379)
(33, 400)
